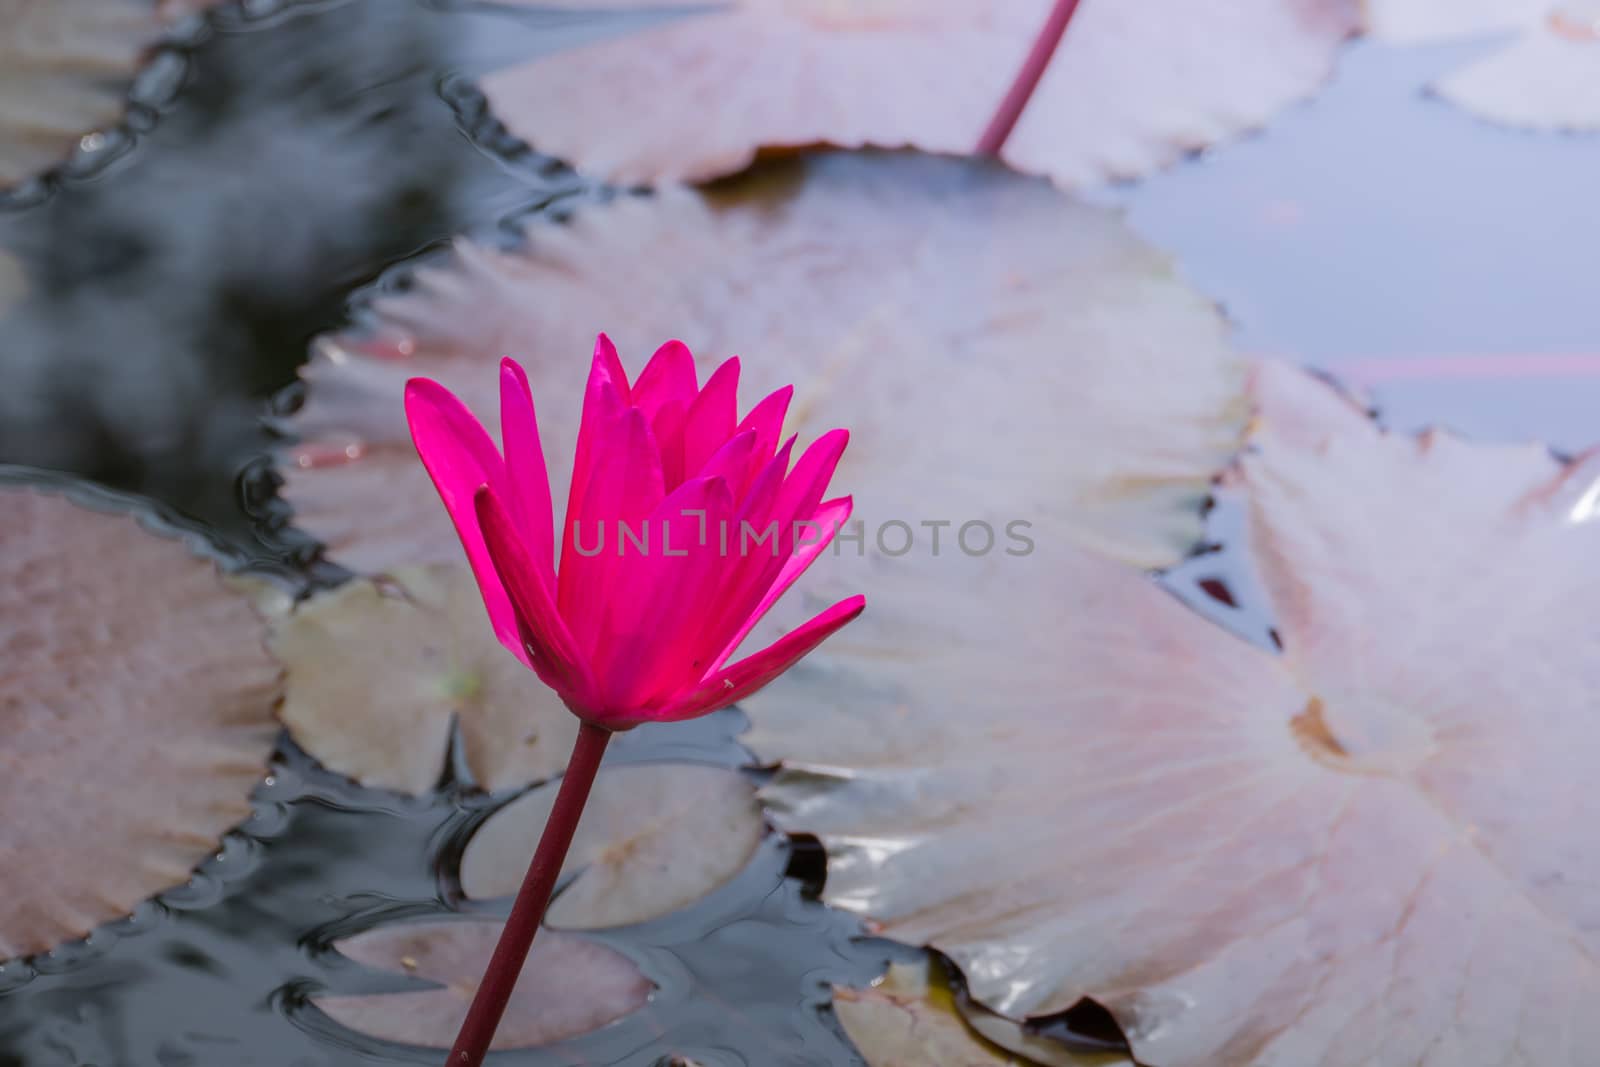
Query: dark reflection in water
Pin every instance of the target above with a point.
(220, 972)
(285, 154)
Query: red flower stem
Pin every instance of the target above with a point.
(511, 952)
(1044, 46)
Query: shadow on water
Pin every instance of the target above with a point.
(277, 157)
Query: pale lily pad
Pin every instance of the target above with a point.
(1133, 85)
(378, 672)
(653, 838)
(136, 695)
(569, 986)
(1425, 21)
(910, 1019)
(954, 316)
(1372, 848)
(1547, 77)
(65, 68)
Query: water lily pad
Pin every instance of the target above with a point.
(378, 672)
(137, 704)
(569, 986)
(910, 1019)
(1420, 21)
(953, 315)
(1547, 77)
(65, 67)
(654, 837)
(1134, 84)
(1372, 848)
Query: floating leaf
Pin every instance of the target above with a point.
(906, 1021)
(909, 1019)
(569, 986)
(1418, 21)
(136, 700)
(1373, 848)
(377, 674)
(1134, 83)
(654, 837)
(956, 317)
(65, 66)
(1546, 78)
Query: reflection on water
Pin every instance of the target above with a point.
(283, 157)
(221, 971)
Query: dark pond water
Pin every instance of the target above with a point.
(282, 156)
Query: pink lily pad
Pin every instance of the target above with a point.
(379, 673)
(569, 986)
(65, 67)
(1133, 85)
(1371, 848)
(136, 715)
(653, 838)
(953, 315)
(1547, 77)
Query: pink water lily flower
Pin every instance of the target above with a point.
(684, 526)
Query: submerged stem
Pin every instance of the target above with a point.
(511, 952)
(1010, 110)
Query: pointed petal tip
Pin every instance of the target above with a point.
(422, 389)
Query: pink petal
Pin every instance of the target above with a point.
(652, 631)
(668, 379)
(753, 672)
(547, 643)
(763, 492)
(827, 519)
(766, 419)
(732, 462)
(625, 486)
(604, 397)
(527, 480)
(665, 389)
(460, 457)
(751, 574)
(711, 419)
